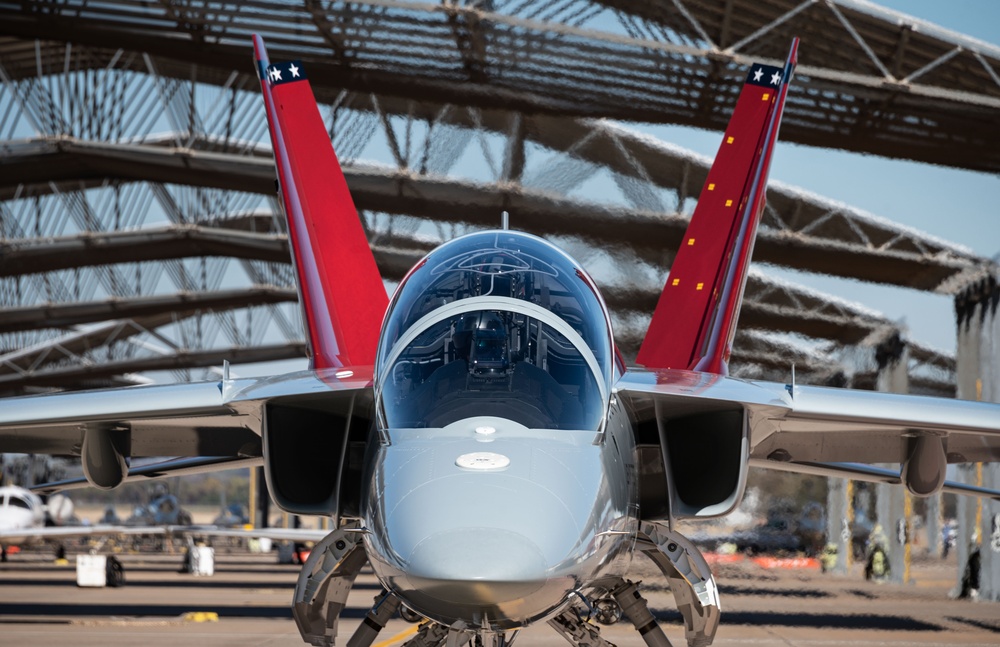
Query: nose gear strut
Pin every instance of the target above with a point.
(691, 582)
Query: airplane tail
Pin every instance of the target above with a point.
(695, 319)
(340, 288)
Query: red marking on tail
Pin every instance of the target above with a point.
(695, 319)
(340, 288)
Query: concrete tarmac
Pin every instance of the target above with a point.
(40, 604)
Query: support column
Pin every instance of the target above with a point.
(978, 376)
(989, 575)
(839, 516)
(263, 502)
(892, 506)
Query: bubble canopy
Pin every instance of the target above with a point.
(496, 323)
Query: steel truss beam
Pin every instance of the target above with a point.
(870, 82)
(510, 73)
(182, 304)
(27, 256)
(72, 345)
(768, 306)
(876, 252)
(181, 359)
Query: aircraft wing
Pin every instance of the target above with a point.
(220, 422)
(21, 535)
(824, 430)
(277, 534)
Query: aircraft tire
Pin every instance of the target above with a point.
(409, 615)
(114, 572)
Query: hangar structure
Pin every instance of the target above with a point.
(140, 232)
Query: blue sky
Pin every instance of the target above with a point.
(958, 206)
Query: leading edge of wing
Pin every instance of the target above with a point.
(171, 400)
(277, 534)
(778, 409)
(811, 406)
(147, 401)
(867, 473)
(55, 423)
(677, 386)
(16, 535)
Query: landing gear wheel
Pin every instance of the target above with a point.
(114, 572)
(409, 615)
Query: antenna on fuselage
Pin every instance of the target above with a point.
(504, 220)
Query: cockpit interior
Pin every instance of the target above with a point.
(495, 324)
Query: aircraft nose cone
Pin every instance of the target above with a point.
(477, 555)
(479, 575)
(464, 548)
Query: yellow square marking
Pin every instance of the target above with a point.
(767, 95)
(690, 241)
(711, 187)
(699, 286)
(729, 140)
(729, 203)
(675, 282)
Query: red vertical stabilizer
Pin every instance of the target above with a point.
(340, 288)
(695, 318)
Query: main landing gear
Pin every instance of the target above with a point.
(334, 564)
(323, 585)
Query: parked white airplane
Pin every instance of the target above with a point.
(25, 518)
(478, 439)
(20, 509)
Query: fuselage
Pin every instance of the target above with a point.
(501, 478)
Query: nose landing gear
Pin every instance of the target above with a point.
(325, 580)
(691, 581)
(607, 611)
(625, 599)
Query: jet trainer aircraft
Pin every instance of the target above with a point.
(478, 439)
(25, 519)
(22, 513)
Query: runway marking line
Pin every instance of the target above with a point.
(406, 633)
